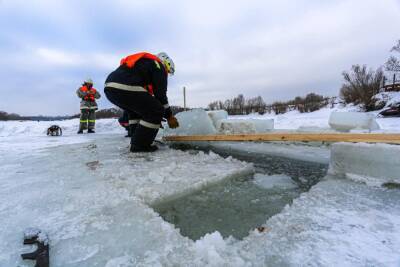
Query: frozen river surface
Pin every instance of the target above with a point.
(95, 201)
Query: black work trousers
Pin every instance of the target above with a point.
(141, 107)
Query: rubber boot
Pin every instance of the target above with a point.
(131, 130)
(143, 139)
(91, 131)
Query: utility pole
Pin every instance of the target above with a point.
(184, 98)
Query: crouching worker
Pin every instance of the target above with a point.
(139, 86)
(88, 106)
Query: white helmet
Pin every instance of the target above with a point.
(89, 81)
(167, 62)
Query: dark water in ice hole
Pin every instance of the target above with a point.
(236, 206)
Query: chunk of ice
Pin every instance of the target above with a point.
(366, 162)
(263, 125)
(192, 122)
(236, 126)
(217, 115)
(280, 181)
(346, 121)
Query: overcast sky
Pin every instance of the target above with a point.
(276, 49)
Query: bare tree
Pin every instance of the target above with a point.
(393, 63)
(360, 85)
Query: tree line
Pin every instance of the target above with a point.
(241, 106)
(100, 114)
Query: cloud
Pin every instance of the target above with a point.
(276, 49)
(57, 57)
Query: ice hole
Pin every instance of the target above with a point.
(238, 206)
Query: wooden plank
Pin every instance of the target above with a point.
(319, 137)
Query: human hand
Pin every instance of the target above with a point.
(173, 122)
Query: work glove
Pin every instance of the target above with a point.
(173, 122)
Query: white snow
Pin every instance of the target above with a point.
(93, 198)
(319, 120)
(346, 121)
(388, 98)
(337, 223)
(39, 128)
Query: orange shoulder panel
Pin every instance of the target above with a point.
(130, 61)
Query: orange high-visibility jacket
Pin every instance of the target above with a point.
(91, 93)
(130, 61)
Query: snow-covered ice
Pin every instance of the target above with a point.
(93, 198)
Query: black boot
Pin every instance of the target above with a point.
(143, 139)
(91, 131)
(80, 132)
(131, 130)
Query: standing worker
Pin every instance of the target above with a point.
(88, 106)
(139, 86)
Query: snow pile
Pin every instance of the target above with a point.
(374, 164)
(217, 115)
(192, 122)
(280, 181)
(346, 121)
(69, 127)
(387, 99)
